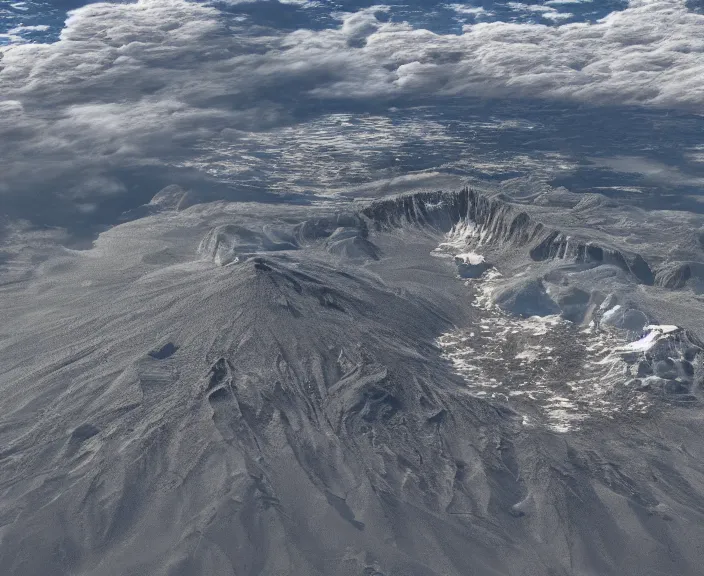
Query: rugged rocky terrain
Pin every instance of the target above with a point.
(432, 384)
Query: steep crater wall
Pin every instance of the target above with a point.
(496, 222)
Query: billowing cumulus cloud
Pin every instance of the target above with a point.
(133, 90)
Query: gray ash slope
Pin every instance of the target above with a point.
(241, 389)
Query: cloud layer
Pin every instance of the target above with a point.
(141, 88)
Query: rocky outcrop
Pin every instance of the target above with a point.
(677, 275)
(494, 220)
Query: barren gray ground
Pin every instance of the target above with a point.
(439, 384)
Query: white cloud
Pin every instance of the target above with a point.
(141, 84)
(696, 154)
(557, 16)
(14, 35)
(561, 2)
(475, 11)
(651, 171)
(22, 28)
(547, 12)
(301, 3)
(36, 28)
(529, 7)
